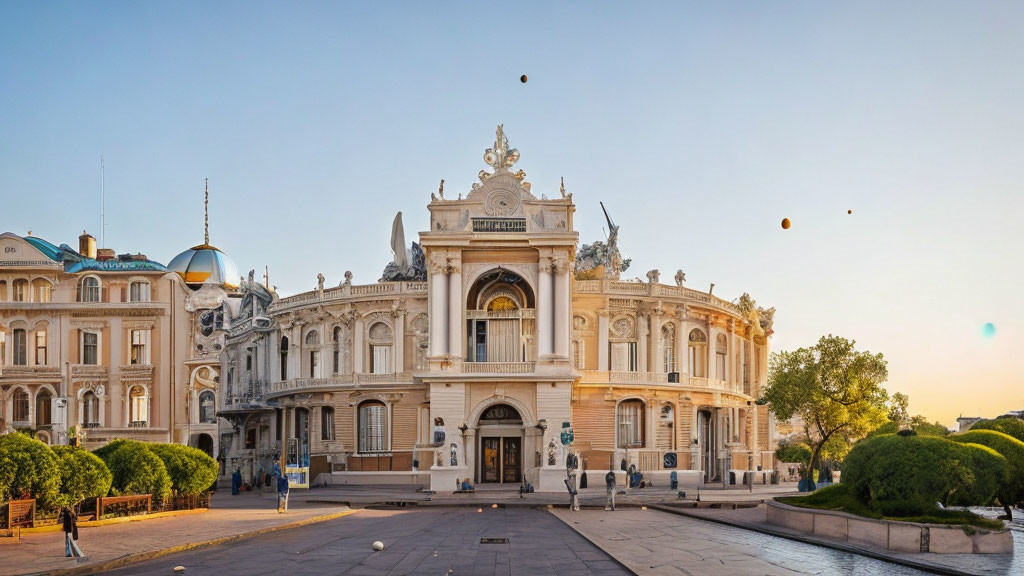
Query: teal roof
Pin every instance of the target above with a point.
(52, 252)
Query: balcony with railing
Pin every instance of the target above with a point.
(618, 287)
(348, 291)
(498, 367)
(660, 378)
(337, 382)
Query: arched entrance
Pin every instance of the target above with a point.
(708, 441)
(500, 445)
(204, 442)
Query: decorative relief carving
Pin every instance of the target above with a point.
(623, 327)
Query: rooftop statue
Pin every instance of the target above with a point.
(409, 263)
(599, 259)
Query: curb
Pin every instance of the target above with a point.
(153, 554)
(931, 568)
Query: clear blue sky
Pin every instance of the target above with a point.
(699, 127)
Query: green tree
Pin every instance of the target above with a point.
(836, 391)
(136, 470)
(1011, 491)
(191, 470)
(793, 451)
(1009, 426)
(82, 475)
(899, 410)
(28, 468)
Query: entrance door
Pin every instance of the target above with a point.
(501, 460)
(511, 460)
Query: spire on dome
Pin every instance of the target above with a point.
(206, 213)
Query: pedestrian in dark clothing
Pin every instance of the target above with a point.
(282, 494)
(69, 524)
(236, 482)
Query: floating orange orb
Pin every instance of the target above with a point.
(849, 211)
(523, 78)
(494, 505)
(785, 224)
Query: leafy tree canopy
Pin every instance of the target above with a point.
(27, 468)
(835, 390)
(82, 475)
(1009, 426)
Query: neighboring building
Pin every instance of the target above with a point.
(964, 423)
(478, 346)
(115, 346)
(84, 341)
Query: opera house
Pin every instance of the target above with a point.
(488, 350)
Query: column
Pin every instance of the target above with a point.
(642, 333)
(438, 305)
(399, 320)
(455, 311)
(562, 305)
(681, 356)
(657, 362)
(602, 340)
(357, 346)
(544, 309)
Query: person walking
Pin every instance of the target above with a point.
(609, 480)
(282, 494)
(69, 524)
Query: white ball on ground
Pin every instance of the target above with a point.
(179, 569)
(378, 545)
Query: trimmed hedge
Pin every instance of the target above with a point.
(82, 475)
(907, 475)
(191, 470)
(1009, 426)
(28, 468)
(1011, 492)
(136, 469)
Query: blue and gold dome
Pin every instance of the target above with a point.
(205, 264)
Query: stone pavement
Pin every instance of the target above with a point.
(663, 544)
(434, 541)
(231, 515)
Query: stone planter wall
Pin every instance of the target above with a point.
(889, 534)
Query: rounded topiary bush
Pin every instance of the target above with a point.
(907, 475)
(1011, 492)
(191, 470)
(104, 452)
(137, 470)
(82, 475)
(28, 468)
(1009, 426)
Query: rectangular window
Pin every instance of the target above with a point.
(327, 423)
(372, 427)
(90, 348)
(634, 363)
(631, 424)
(20, 290)
(40, 348)
(20, 348)
(250, 438)
(43, 292)
(720, 365)
(3, 349)
(138, 351)
(381, 359)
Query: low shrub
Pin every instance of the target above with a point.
(1011, 491)
(137, 470)
(908, 475)
(1009, 426)
(28, 468)
(82, 475)
(191, 470)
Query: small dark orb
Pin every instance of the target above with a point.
(523, 78)
(785, 224)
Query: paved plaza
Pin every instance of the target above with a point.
(434, 541)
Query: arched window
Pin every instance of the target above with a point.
(500, 319)
(326, 423)
(138, 407)
(44, 412)
(3, 290)
(668, 347)
(336, 356)
(89, 289)
(41, 290)
(373, 427)
(698, 353)
(207, 407)
(20, 290)
(577, 354)
(20, 415)
(380, 341)
(20, 347)
(721, 349)
(90, 410)
(631, 420)
(284, 357)
(138, 291)
(312, 341)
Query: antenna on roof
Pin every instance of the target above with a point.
(103, 207)
(206, 213)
